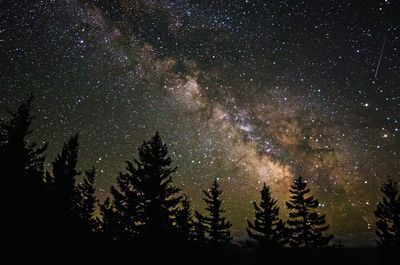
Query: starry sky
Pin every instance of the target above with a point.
(243, 91)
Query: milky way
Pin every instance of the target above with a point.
(243, 91)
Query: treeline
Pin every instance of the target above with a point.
(145, 210)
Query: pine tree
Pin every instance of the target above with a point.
(19, 156)
(144, 202)
(121, 216)
(67, 224)
(109, 225)
(86, 199)
(151, 177)
(216, 227)
(184, 222)
(306, 225)
(268, 229)
(199, 229)
(64, 176)
(22, 163)
(388, 216)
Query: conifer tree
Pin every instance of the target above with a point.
(306, 225)
(388, 216)
(109, 224)
(145, 202)
(215, 225)
(64, 176)
(184, 222)
(151, 176)
(19, 156)
(86, 199)
(121, 216)
(22, 163)
(268, 229)
(67, 224)
(199, 229)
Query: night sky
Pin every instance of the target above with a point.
(242, 91)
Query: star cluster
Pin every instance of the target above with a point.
(242, 91)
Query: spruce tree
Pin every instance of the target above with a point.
(215, 225)
(86, 199)
(20, 157)
(199, 229)
(151, 176)
(64, 176)
(67, 224)
(22, 162)
(306, 225)
(144, 202)
(121, 215)
(388, 216)
(108, 224)
(268, 229)
(183, 220)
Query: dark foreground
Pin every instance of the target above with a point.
(128, 254)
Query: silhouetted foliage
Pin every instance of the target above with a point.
(64, 176)
(388, 216)
(215, 225)
(22, 172)
(268, 229)
(86, 199)
(19, 156)
(199, 229)
(151, 177)
(183, 220)
(109, 225)
(121, 217)
(72, 205)
(306, 225)
(145, 202)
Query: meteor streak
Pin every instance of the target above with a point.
(380, 57)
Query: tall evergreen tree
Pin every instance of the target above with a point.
(86, 199)
(19, 156)
(388, 216)
(268, 229)
(306, 225)
(151, 176)
(121, 216)
(214, 224)
(108, 224)
(199, 229)
(64, 176)
(22, 163)
(67, 224)
(145, 202)
(184, 222)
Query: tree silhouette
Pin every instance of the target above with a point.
(120, 218)
(22, 172)
(20, 156)
(268, 229)
(199, 229)
(64, 176)
(86, 199)
(216, 227)
(306, 225)
(184, 222)
(109, 225)
(151, 177)
(145, 202)
(388, 216)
